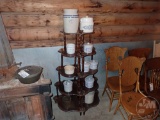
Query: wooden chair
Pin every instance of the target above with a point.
(129, 71)
(113, 55)
(152, 77)
(140, 52)
(156, 49)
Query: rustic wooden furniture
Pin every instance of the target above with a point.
(75, 100)
(152, 76)
(140, 52)
(156, 49)
(25, 101)
(129, 71)
(113, 56)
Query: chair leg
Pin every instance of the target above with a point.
(130, 117)
(117, 107)
(104, 89)
(111, 101)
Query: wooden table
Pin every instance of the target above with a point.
(25, 101)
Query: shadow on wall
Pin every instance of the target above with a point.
(50, 59)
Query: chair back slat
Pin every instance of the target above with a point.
(130, 68)
(113, 55)
(140, 52)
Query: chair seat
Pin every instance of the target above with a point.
(131, 101)
(113, 84)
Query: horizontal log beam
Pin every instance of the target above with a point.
(57, 42)
(54, 6)
(42, 20)
(49, 33)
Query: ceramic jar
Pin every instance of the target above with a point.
(69, 69)
(70, 20)
(70, 48)
(93, 64)
(89, 82)
(87, 48)
(86, 66)
(67, 85)
(86, 24)
(89, 98)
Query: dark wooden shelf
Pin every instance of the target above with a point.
(85, 74)
(83, 54)
(70, 103)
(60, 69)
(75, 100)
(79, 91)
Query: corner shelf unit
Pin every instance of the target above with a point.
(75, 100)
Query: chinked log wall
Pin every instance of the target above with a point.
(37, 23)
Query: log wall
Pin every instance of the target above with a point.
(37, 23)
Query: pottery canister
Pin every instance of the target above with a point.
(89, 82)
(69, 69)
(86, 24)
(89, 97)
(70, 20)
(70, 48)
(87, 48)
(93, 64)
(86, 66)
(67, 85)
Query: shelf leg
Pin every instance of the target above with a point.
(80, 113)
(92, 57)
(84, 113)
(65, 43)
(83, 64)
(61, 60)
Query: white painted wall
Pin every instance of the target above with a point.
(49, 59)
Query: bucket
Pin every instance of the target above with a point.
(86, 24)
(70, 48)
(70, 20)
(89, 97)
(87, 48)
(89, 82)
(67, 85)
(93, 64)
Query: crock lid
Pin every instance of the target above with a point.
(86, 19)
